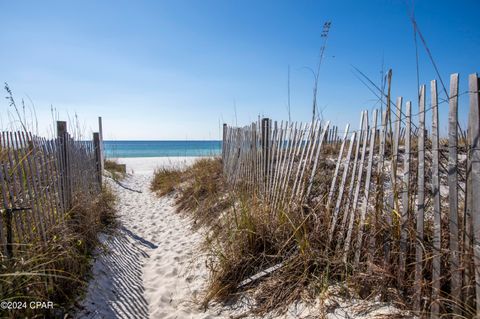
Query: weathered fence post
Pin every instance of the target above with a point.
(456, 278)
(420, 203)
(98, 156)
(265, 144)
(62, 136)
(405, 214)
(437, 218)
(224, 142)
(102, 150)
(474, 144)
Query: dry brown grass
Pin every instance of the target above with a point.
(165, 180)
(246, 237)
(117, 170)
(201, 190)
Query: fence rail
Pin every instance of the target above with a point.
(39, 181)
(393, 193)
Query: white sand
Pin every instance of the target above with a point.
(149, 270)
(147, 165)
(152, 267)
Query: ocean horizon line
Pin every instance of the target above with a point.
(161, 148)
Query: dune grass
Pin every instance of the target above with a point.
(246, 237)
(165, 180)
(116, 169)
(200, 189)
(57, 270)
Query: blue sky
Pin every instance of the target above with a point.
(174, 69)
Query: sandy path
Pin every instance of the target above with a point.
(149, 270)
(170, 273)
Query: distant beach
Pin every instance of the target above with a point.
(147, 165)
(122, 149)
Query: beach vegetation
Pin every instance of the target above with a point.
(57, 270)
(52, 269)
(117, 170)
(165, 180)
(199, 189)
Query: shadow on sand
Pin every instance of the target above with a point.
(116, 290)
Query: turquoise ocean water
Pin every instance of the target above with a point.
(161, 148)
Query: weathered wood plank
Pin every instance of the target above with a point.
(405, 195)
(420, 204)
(379, 199)
(456, 278)
(474, 144)
(437, 218)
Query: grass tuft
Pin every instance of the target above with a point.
(117, 170)
(165, 180)
(200, 189)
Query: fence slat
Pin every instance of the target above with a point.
(420, 203)
(474, 144)
(405, 195)
(437, 222)
(455, 280)
(379, 204)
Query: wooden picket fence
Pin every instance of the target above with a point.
(39, 181)
(393, 194)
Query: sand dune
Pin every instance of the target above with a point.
(152, 266)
